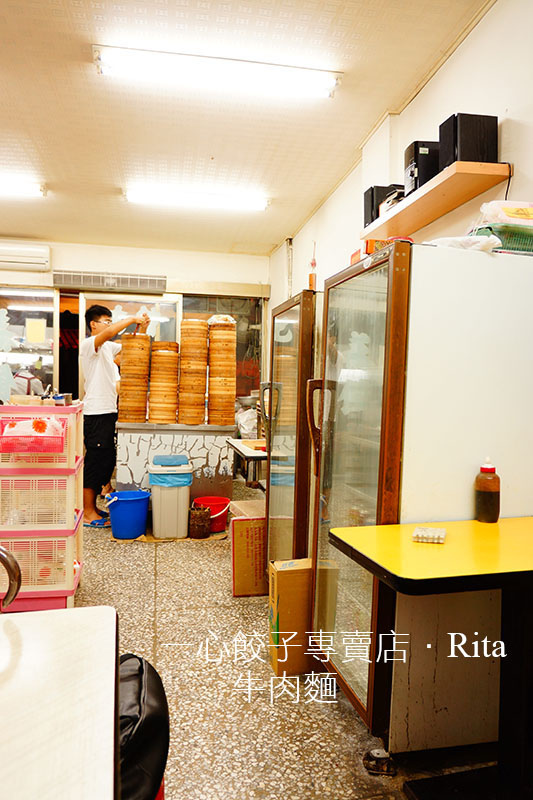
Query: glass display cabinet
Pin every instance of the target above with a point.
(360, 431)
(289, 452)
(411, 336)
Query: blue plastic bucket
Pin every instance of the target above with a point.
(128, 512)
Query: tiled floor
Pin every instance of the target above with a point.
(171, 598)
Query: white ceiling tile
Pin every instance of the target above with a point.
(86, 136)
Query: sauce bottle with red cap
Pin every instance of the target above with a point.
(487, 491)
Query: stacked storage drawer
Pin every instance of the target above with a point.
(41, 502)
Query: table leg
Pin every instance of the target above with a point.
(513, 778)
(254, 483)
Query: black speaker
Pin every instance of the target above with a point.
(373, 197)
(468, 137)
(421, 161)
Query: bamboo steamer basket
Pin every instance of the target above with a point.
(134, 370)
(160, 357)
(193, 372)
(222, 325)
(163, 400)
(135, 343)
(225, 384)
(224, 369)
(195, 382)
(165, 346)
(191, 409)
(193, 330)
(222, 373)
(194, 348)
(192, 398)
(191, 414)
(193, 365)
(221, 401)
(193, 344)
(194, 325)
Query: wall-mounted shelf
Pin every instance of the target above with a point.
(452, 187)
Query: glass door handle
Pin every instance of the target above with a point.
(275, 387)
(13, 572)
(265, 386)
(272, 414)
(315, 432)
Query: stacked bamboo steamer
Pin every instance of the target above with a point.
(163, 403)
(134, 370)
(222, 372)
(193, 372)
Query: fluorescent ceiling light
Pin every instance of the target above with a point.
(14, 187)
(215, 74)
(174, 197)
(19, 307)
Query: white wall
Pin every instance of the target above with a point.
(490, 73)
(177, 265)
(335, 229)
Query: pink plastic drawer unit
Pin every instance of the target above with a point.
(27, 452)
(41, 500)
(46, 562)
(44, 600)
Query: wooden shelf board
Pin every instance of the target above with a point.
(452, 187)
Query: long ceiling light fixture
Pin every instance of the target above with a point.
(13, 186)
(215, 74)
(175, 197)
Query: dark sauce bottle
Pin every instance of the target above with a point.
(487, 491)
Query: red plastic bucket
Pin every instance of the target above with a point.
(218, 506)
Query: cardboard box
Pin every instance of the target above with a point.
(248, 508)
(290, 603)
(248, 556)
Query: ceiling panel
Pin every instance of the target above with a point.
(86, 136)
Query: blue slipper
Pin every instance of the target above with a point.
(102, 514)
(97, 523)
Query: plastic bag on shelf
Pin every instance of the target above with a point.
(484, 243)
(515, 212)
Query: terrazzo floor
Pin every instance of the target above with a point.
(228, 741)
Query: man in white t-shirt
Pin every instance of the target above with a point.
(97, 355)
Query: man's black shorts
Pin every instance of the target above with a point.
(100, 450)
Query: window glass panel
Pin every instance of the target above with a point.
(26, 339)
(247, 312)
(162, 313)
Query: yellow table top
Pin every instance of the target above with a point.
(471, 549)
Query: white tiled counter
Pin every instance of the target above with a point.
(205, 445)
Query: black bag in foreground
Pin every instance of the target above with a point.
(144, 728)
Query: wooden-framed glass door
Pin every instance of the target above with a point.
(358, 445)
(288, 470)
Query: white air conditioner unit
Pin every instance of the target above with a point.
(24, 255)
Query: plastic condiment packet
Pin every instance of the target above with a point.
(432, 535)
